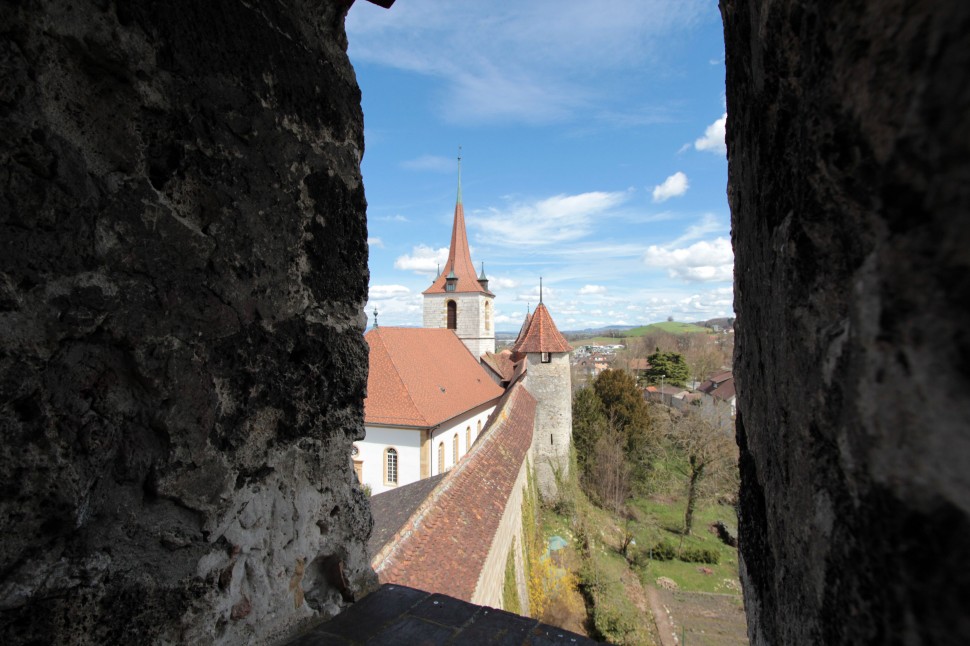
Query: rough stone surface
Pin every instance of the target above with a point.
(849, 182)
(182, 272)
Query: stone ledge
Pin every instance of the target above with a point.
(396, 614)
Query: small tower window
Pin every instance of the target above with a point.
(441, 457)
(452, 315)
(488, 316)
(545, 357)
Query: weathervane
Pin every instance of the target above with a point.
(375, 316)
(540, 290)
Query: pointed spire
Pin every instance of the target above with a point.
(458, 274)
(459, 175)
(540, 290)
(540, 334)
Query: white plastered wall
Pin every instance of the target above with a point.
(447, 432)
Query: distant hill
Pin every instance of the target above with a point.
(725, 323)
(671, 327)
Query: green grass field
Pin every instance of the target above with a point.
(672, 327)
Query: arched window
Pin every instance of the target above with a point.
(452, 315)
(478, 431)
(468, 438)
(488, 316)
(390, 467)
(454, 449)
(441, 457)
(358, 464)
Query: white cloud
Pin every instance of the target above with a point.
(375, 242)
(700, 262)
(713, 139)
(556, 219)
(532, 296)
(434, 163)
(592, 289)
(674, 186)
(502, 283)
(383, 292)
(541, 60)
(708, 224)
(422, 260)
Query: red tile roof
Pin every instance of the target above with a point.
(542, 335)
(523, 329)
(720, 385)
(501, 363)
(422, 377)
(443, 546)
(459, 261)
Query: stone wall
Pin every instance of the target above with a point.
(182, 270)
(849, 184)
(551, 385)
(470, 318)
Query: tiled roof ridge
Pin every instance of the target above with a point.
(386, 555)
(500, 451)
(397, 373)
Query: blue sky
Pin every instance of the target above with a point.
(592, 154)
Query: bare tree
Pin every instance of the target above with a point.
(707, 445)
(611, 481)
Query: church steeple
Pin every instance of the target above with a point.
(458, 275)
(459, 298)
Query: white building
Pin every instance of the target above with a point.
(428, 399)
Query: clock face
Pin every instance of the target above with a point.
(354, 450)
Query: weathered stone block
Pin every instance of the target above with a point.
(182, 271)
(849, 168)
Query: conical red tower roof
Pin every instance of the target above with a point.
(541, 335)
(459, 264)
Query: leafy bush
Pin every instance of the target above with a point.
(700, 555)
(613, 625)
(664, 551)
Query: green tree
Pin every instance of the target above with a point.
(624, 407)
(669, 364)
(589, 422)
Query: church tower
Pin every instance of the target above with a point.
(546, 355)
(458, 299)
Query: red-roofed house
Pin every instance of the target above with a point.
(427, 400)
